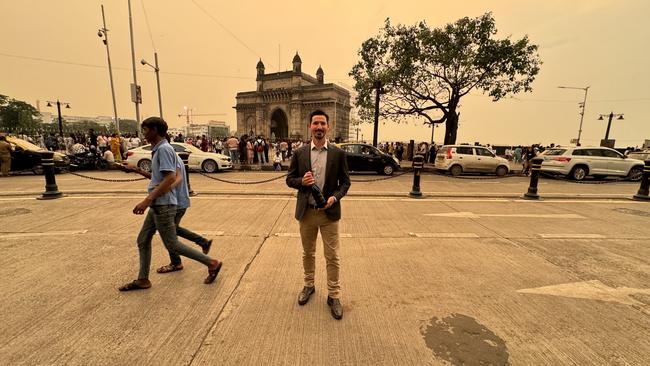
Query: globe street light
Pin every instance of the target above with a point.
(156, 69)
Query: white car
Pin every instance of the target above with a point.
(208, 162)
(458, 159)
(579, 162)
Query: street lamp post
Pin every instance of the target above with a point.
(156, 69)
(135, 86)
(378, 86)
(103, 33)
(610, 116)
(58, 108)
(582, 113)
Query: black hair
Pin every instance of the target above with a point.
(318, 112)
(158, 123)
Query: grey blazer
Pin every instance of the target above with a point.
(337, 179)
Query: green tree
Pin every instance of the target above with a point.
(126, 126)
(16, 115)
(426, 71)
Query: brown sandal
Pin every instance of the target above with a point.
(133, 285)
(170, 268)
(212, 274)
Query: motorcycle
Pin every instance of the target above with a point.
(91, 159)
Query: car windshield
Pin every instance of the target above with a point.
(23, 144)
(192, 148)
(554, 152)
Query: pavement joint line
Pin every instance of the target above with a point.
(248, 265)
(444, 235)
(571, 236)
(19, 235)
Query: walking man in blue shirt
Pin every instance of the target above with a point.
(162, 203)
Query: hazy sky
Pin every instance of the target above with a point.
(600, 43)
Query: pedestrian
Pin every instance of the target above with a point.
(161, 205)
(283, 149)
(277, 162)
(232, 145)
(114, 143)
(204, 144)
(249, 152)
(259, 150)
(5, 156)
(320, 165)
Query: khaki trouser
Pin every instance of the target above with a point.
(311, 222)
(5, 164)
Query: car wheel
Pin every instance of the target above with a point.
(209, 166)
(456, 170)
(635, 174)
(501, 171)
(388, 169)
(578, 173)
(145, 164)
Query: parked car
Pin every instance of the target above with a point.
(208, 162)
(27, 156)
(459, 159)
(367, 158)
(639, 155)
(577, 163)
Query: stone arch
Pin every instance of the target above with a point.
(250, 125)
(279, 124)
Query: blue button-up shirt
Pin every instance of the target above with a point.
(182, 191)
(163, 159)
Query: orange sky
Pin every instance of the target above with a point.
(603, 44)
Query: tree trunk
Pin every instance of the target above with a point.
(451, 128)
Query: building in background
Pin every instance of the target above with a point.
(281, 105)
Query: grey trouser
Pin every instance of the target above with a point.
(175, 259)
(163, 219)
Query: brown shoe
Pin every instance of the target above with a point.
(212, 274)
(335, 307)
(304, 295)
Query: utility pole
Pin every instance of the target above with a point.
(103, 33)
(582, 113)
(378, 90)
(135, 88)
(58, 108)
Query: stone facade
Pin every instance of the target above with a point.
(281, 105)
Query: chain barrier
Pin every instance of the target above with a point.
(106, 179)
(558, 177)
(410, 170)
(239, 182)
(478, 177)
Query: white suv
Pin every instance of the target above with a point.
(458, 159)
(579, 162)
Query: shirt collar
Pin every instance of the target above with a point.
(313, 146)
(158, 145)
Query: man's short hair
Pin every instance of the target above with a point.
(318, 112)
(158, 123)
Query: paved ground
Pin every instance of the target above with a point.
(458, 278)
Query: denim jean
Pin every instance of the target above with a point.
(261, 158)
(234, 156)
(181, 232)
(163, 219)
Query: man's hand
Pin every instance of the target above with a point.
(141, 207)
(330, 202)
(308, 179)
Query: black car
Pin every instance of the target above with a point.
(367, 158)
(26, 157)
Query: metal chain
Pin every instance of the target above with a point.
(478, 177)
(106, 180)
(381, 178)
(239, 182)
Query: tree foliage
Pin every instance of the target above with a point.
(17, 115)
(426, 71)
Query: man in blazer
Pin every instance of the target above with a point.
(326, 166)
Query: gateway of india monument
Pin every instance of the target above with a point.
(280, 107)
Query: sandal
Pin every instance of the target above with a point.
(212, 274)
(170, 268)
(206, 247)
(134, 285)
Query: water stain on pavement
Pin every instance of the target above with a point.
(461, 340)
(14, 211)
(631, 211)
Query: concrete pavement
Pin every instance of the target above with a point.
(443, 280)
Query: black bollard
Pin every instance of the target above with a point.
(642, 195)
(51, 189)
(418, 164)
(185, 157)
(535, 168)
